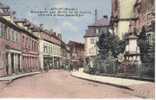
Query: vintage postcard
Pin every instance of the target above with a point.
(77, 49)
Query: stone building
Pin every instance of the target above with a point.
(29, 46)
(121, 22)
(10, 51)
(91, 37)
(76, 54)
(144, 11)
(49, 48)
(143, 20)
(17, 54)
(122, 14)
(129, 19)
(25, 47)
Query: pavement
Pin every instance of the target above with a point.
(108, 80)
(60, 84)
(16, 76)
(139, 88)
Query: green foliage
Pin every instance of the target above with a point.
(146, 49)
(109, 47)
(107, 65)
(110, 42)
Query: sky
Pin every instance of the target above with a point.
(71, 28)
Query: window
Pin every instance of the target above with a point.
(12, 35)
(17, 36)
(5, 31)
(104, 30)
(29, 44)
(97, 31)
(2, 29)
(92, 41)
(32, 46)
(51, 49)
(45, 49)
(26, 43)
(23, 42)
(8, 33)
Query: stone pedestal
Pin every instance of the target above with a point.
(132, 51)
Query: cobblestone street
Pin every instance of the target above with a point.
(60, 84)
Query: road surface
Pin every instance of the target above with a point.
(60, 84)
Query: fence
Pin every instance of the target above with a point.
(143, 71)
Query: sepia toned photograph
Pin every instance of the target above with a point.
(77, 49)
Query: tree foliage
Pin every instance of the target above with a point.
(146, 49)
(110, 42)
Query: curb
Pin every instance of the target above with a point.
(12, 78)
(92, 80)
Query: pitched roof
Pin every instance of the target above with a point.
(74, 43)
(90, 33)
(103, 22)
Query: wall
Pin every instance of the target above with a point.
(123, 27)
(125, 15)
(90, 49)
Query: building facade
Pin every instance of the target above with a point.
(122, 14)
(76, 54)
(144, 11)
(18, 55)
(29, 46)
(91, 37)
(49, 49)
(138, 18)
(11, 33)
(66, 58)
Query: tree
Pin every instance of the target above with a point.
(110, 46)
(110, 42)
(147, 50)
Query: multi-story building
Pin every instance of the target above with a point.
(29, 46)
(92, 35)
(19, 47)
(10, 43)
(76, 53)
(25, 47)
(49, 49)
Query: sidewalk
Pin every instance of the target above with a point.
(121, 82)
(13, 77)
(139, 88)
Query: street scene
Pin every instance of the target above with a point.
(60, 84)
(61, 49)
